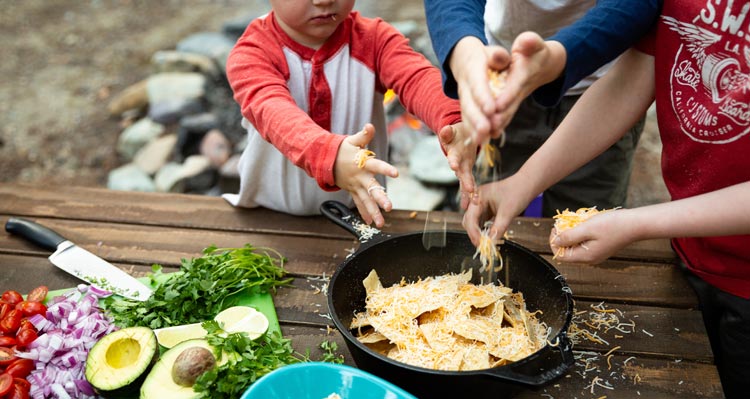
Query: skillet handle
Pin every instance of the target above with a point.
(343, 216)
(559, 357)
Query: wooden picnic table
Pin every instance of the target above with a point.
(666, 356)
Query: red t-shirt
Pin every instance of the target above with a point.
(702, 66)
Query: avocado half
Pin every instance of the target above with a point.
(159, 383)
(119, 362)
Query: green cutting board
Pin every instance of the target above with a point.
(261, 302)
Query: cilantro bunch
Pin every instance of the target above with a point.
(248, 360)
(203, 287)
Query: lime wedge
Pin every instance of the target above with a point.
(234, 319)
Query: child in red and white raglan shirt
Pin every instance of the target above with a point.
(308, 76)
(696, 66)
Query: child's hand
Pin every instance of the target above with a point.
(369, 196)
(469, 63)
(461, 154)
(594, 240)
(534, 62)
(500, 201)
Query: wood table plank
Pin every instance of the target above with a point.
(194, 211)
(629, 377)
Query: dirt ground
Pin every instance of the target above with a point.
(64, 59)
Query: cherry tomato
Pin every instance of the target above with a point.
(20, 368)
(38, 294)
(10, 323)
(25, 337)
(6, 383)
(7, 356)
(29, 308)
(18, 392)
(7, 341)
(4, 309)
(12, 297)
(24, 383)
(26, 325)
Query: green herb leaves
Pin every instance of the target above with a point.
(202, 288)
(248, 360)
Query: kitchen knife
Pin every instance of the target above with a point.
(78, 261)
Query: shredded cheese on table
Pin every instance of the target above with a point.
(361, 157)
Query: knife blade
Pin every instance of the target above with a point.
(78, 261)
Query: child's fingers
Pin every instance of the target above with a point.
(363, 137)
(379, 167)
(362, 209)
(447, 134)
(379, 195)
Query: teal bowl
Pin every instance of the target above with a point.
(317, 380)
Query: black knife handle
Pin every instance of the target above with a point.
(34, 232)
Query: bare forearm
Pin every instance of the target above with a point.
(718, 213)
(600, 117)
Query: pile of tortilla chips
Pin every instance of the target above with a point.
(447, 323)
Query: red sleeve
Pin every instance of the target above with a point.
(257, 73)
(413, 78)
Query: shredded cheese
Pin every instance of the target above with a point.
(488, 252)
(447, 323)
(567, 220)
(361, 157)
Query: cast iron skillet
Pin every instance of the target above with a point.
(404, 255)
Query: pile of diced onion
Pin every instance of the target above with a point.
(73, 324)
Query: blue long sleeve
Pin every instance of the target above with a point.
(448, 21)
(605, 32)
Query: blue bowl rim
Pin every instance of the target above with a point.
(330, 366)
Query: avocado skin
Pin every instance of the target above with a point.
(148, 343)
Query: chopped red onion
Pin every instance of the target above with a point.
(74, 323)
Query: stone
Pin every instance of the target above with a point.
(169, 86)
(178, 61)
(155, 154)
(216, 147)
(130, 177)
(168, 177)
(169, 112)
(428, 163)
(137, 135)
(134, 97)
(406, 192)
(212, 44)
(234, 28)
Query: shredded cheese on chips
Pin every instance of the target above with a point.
(447, 323)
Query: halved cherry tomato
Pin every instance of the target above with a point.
(7, 341)
(26, 325)
(10, 323)
(31, 308)
(25, 337)
(20, 368)
(6, 383)
(38, 294)
(4, 309)
(12, 297)
(18, 392)
(7, 356)
(23, 383)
